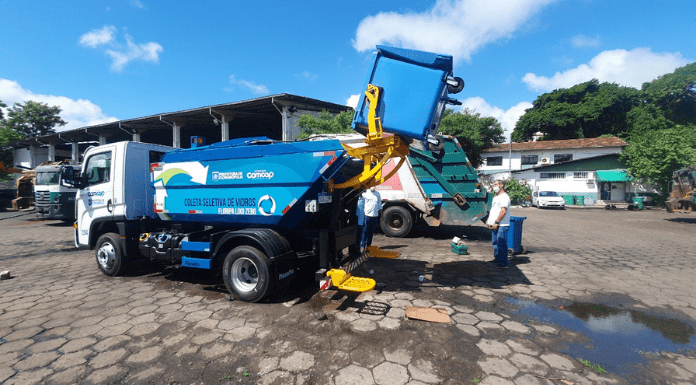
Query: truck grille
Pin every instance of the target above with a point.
(42, 197)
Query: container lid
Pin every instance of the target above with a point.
(424, 59)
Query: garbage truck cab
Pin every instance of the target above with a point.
(114, 187)
(51, 199)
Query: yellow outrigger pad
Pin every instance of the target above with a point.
(345, 281)
(376, 252)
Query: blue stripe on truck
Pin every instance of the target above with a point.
(195, 246)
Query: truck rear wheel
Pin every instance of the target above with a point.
(396, 221)
(109, 253)
(246, 273)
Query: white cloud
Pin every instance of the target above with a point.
(353, 100)
(138, 4)
(148, 52)
(256, 89)
(627, 68)
(507, 118)
(308, 75)
(77, 113)
(97, 37)
(120, 53)
(455, 27)
(581, 41)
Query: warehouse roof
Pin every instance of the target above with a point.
(253, 117)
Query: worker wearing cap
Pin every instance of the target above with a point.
(499, 222)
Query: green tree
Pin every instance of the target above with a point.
(33, 118)
(653, 155)
(675, 94)
(325, 123)
(517, 192)
(586, 110)
(6, 136)
(474, 133)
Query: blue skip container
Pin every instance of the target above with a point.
(514, 236)
(414, 91)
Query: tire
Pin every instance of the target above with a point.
(109, 254)
(396, 221)
(511, 253)
(246, 272)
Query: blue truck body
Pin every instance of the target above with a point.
(259, 210)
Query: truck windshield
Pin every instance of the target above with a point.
(47, 178)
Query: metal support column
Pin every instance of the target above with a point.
(286, 135)
(102, 139)
(32, 156)
(75, 153)
(176, 135)
(51, 152)
(136, 137)
(225, 128)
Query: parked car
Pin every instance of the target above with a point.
(547, 199)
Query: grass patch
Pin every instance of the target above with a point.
(597, 368)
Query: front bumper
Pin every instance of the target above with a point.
(551, 204)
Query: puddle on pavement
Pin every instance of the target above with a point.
(616, 337)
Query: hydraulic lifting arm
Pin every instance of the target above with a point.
(377, 152)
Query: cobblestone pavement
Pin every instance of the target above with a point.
(63, 322)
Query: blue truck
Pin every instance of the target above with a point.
(259, 210)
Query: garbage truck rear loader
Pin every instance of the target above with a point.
(261, 211)
(443, 190)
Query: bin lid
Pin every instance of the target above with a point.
(425, 59)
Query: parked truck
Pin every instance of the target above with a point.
(51, 199)
(261, 211)
(443, 189)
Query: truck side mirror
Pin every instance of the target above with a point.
(70, 177)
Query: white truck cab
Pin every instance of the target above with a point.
(114, 186)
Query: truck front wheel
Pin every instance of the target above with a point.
(109, 253)
(246, 274)
(396, 221)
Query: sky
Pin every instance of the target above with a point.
(102, 61)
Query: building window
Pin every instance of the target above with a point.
(552, 175)
(580, 175)
(494, 161)
(562, 157)
(530, 159)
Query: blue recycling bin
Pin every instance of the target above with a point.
(514, 235)
(415, 91)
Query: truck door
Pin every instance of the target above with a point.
(95, 201)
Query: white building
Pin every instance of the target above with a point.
(509, 157)
(584, 171)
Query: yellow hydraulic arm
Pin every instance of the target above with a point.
(375, 154)
(378, 150)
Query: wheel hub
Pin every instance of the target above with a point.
(106, 255)
(396, 221)
(245, 275)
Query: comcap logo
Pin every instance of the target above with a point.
(260, 174)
